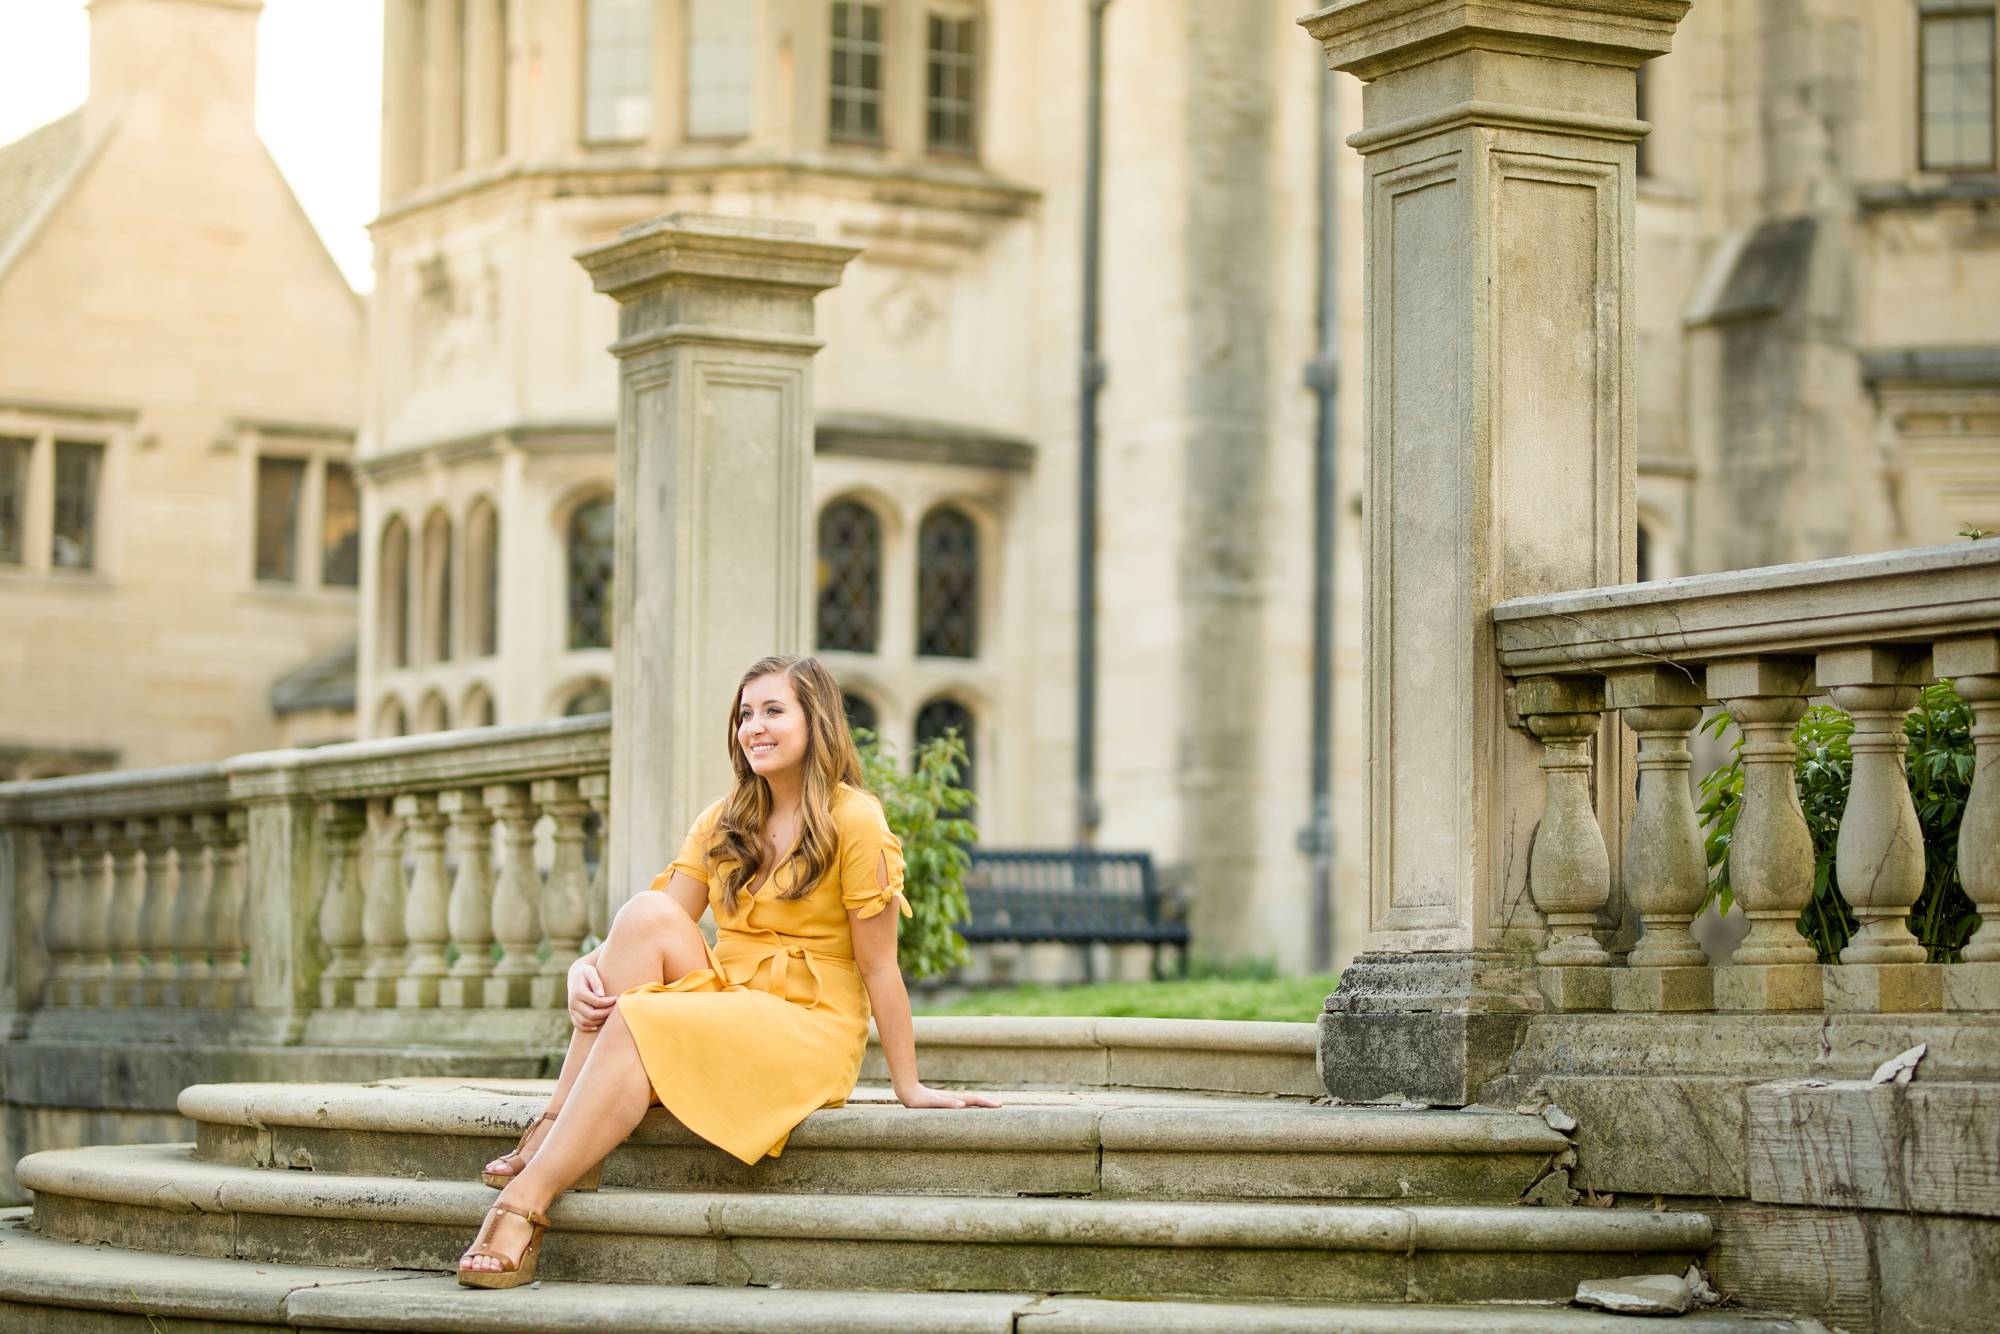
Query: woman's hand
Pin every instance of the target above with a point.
(589, 1007)
(919, 1096)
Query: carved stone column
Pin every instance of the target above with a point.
(715, 445)
(517, 899)
(1973, 664)
(93, 933)
(1502, 444)
(194, 882)
(342, 904)
(156, 912)
(1666, 865)
(1770, 852)
(471, 909)
(121, 920)
(596, 789)
(229, 983)
(61, 852)
(565, 906)
(425, 923)
(382, 933)
(1569, 872)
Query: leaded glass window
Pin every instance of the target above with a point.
(860, 713)
(78, 468)
(948, 585)
(14, 455)
(1957, 92)
(279, 485)
(590, 551)
(340, 561)
(720, 65)
(854, 107)
(941, 717)
(618, 71)
(850, 577)
(950, 98)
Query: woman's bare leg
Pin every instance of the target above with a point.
(652, 940)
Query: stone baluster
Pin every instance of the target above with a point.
(94, 886)
(342, 904)
(517, 898)
(382, 934)
(596, 789)
(425, 919)
(156, 911)
(61, 855)
(1770, 853)
(471, 908)
(1973, 664)
(1666, 866)
(1569, 872)
(228, 905)
(1879, 856)
(565, 897)
(121, 931)
(194, 882)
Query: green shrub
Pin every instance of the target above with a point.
(1296, 1000)
(923, 809)
(1939, 763)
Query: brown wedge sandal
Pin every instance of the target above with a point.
(513, 1273)
(498, 1180)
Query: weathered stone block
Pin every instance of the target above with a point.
(1654, 990)
(1811, 1261)
(1439, 1059)
(1921, 1148)
(1884, 988)
(1574, 990)
(1768, 987)
(1972, 986)
(1936, 1275)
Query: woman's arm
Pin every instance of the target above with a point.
(875, 958)
(589, 1006)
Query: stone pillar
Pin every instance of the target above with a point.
(283, 880)
(1499, 377)
(715, 442)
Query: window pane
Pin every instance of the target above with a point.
(941, 716)
(949, 104)
(719, 37)
(14, 454)
(78, 467)
(850, 577)
(395, 601)
(948, 586)
(860, 713)
(618, 71)
(1958, 92)
(590, 552)
(279, 482)
(482, 580)
(340, 561)
(854, 113)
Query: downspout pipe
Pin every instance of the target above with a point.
(1322, 376)
(1091, 375)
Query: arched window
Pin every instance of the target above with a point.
(432, 714)
(482, 581)
(591, 697)
(393, 609)
(437, 588)
(478, 710)
(940, 716)
(590, 549)
(850, 576)
(948, 585)
(860, 713)
(1645, 555)
(390, 719)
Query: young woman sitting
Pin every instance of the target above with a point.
(743, 1041)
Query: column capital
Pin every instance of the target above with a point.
(1371, 38)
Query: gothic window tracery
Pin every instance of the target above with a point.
(948, 585)
(850, 577)
(590, 554)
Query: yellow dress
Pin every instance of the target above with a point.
(774, 1028)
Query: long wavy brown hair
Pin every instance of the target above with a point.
(829, 761)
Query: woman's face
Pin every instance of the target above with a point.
(770, 725)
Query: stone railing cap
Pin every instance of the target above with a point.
(1370, 38)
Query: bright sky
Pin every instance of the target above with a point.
(319, 100)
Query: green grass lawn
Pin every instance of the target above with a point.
(1286, 999)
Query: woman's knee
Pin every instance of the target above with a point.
(649, 914)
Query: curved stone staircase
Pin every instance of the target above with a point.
(336, 1207)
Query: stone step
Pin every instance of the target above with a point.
(158, 1198)
(58, 1287)
(1114, 1145)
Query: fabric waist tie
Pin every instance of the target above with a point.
(772, 971)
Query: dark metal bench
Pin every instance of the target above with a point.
(1072, 895)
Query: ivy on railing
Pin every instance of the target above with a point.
(923, 811)
(1940, 765)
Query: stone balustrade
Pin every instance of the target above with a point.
(1868, 631)
(353, 894)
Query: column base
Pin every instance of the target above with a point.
(549, 993)
(510, 993)
(1769, 986)
(1971, 987)
(1427, 1028)
(417, 993)
(462, 993)
(1575, 990)
(1885, 988)
(1678, 990)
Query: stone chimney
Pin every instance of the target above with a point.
(130, 39)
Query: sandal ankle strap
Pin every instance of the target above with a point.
(538, 1219)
